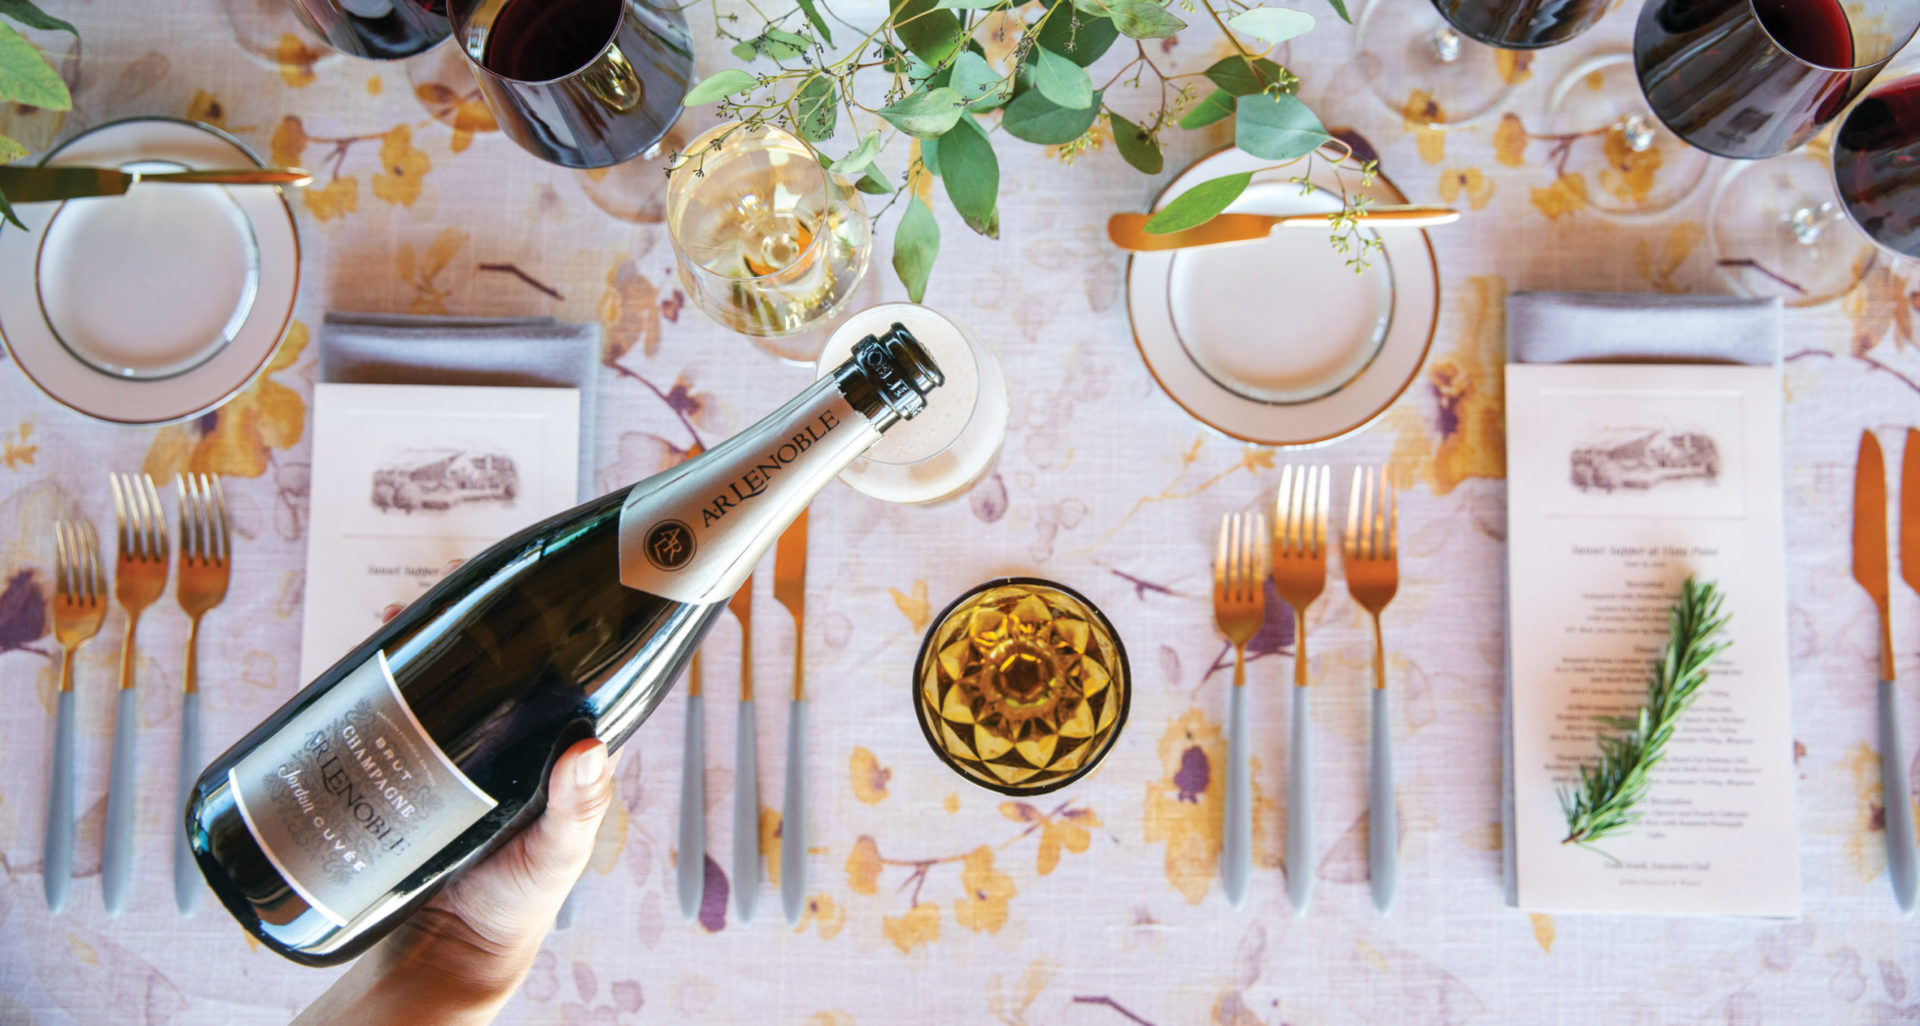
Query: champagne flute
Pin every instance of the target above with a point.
(767, 242)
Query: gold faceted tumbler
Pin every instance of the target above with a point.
(1021, 686)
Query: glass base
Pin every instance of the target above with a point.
(1604, 131)
(272, 34)
(1777, 230)
(1423, 69)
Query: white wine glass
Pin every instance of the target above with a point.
(767, 242)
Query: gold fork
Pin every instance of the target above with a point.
(205, 564)
(139, 577)
(79, 604)
(1239, 607)
(1373, 575)
(1299, 575)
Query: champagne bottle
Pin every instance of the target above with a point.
(429, 745)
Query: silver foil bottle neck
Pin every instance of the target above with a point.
(899, 368)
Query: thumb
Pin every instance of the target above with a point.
(579, 793)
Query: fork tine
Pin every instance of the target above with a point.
(1220, 557)
(1390, 512)
(97, 572)
(183, 501)
(1320, 519)
(156, 519)
(62, 562)
(1350, 544)
(125, 538)
(1281, 499)
(225, 537)
(1375, 549)
(1247, 548)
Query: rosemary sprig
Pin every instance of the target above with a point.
(1603, 805)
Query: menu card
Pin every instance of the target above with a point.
(410, 479)
(1623, 480)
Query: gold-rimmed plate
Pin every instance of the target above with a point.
(1277, 341)
(158, 305)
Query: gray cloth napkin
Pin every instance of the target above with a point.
(1576, 327)
(1567, 327)
(405, 349)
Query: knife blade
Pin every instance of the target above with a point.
(45, 184)
(746, 769)
(1129, 231)
(1870, 569)
(1870, 537)
(790, 590)
(1910, 510)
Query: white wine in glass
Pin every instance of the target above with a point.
(768, 243)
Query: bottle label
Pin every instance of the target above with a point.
(693, 533)
(350, 796)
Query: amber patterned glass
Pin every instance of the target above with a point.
(1021, 686)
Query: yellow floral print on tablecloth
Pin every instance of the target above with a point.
(1184, 807)
(868, 776)
(1464, 435)
(823, 914)
(401, 168)
(1468, 182)
(1510, 141)
(1567, 194)
(238, 438)
(984, 908)
(919, 927)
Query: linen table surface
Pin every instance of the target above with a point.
(930, 899)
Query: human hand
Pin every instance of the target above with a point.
(459, 957)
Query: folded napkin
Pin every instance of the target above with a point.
(404, 349)
(1568, 327)
(1576, 327)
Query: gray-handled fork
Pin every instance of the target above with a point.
(1300, 575)
(1239, 607)
(79, 604)
(139, 578)
(1373, 575)
(205, 564)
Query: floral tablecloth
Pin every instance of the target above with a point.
(933, 900)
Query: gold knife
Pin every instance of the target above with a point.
(790, 590)
(1129, 231)
(1870, 569)
(44, 184)
(1910, 510)
(746, 768)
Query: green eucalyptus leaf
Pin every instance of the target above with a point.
(861, 157)
(1273, 24)
(932, 33)
(815, 110)
(6, 213)
(819, 24)
(874, 185)
(979, 83)
(969, 5)
(1079, 37)
(1060, 80)
(767, 44)
(1036, 119)
(1240, 78)
(926, 114)
(916, 242)
(1277, 127)
(26, 77)
(1340, 8)
(794, 39)
(930, 156)
(744, 51)
(1138, 148)
(24, 12)
(11, 149)
(972, 175)
(1096, 8)
(720, 85)
(1144, 19)
(1199, 204)
(1217, 105)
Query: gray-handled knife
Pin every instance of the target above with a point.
(746, 769)
(790, 590)
(693, 800)
(46, 184)
(1870, 555)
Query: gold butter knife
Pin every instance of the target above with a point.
(1870, 569)
(1129, 231)
(45, 184)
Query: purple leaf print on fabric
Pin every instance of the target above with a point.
(627, 996)
(713, 902)
(1274, 637)
(1194, 774)
(584, 981)
(23, 611)
(989, 498)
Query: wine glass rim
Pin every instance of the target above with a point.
(1833, 169)
(817, 240)
(459, 22)
(1913, 26)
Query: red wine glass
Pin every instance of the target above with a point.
(1453, 61)
(580, 83)
(283, 32)
(1876, 166)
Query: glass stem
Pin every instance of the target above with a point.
(1445, 43)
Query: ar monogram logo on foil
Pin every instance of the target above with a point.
(669, 544)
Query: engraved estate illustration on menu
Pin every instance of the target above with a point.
(1623, 481)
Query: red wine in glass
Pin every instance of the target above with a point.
(377, 29)
(581, 83)
(1876, 165)
(1750, 79)
(1522, 24)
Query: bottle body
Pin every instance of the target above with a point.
(430, 744)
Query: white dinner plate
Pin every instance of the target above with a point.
(1277, 341)
(157, 305)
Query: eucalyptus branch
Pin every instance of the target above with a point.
(1603, 804)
